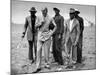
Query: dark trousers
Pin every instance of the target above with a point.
(57, 49)
(79, 49)
(31, 43)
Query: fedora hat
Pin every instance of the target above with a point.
(56, 9)
(72, 10)
(77, 11)
(33, 9)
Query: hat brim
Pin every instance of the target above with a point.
(77, 12)
(56, 9)
(32, 11)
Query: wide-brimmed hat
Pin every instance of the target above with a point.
(56, 9)
(33, 9)
(77, 11)
(72, 10)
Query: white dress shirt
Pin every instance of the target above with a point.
(71, 23)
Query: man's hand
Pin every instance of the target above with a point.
(23, 35)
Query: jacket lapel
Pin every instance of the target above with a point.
(68, 24)
(36, 20)
(29, 20)
(74, 24)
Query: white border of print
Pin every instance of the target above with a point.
(5, 36)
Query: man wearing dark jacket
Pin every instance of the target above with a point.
(80, 42)
(57, 37)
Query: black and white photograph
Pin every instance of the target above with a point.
(52, 37)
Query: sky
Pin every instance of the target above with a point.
(20, 10)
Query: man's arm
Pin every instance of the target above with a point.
(39, 23)
(81, 21)
(25, 28)
(53, 28)
(78, 33)
(82, 24)
(62, 26)
(65, 30)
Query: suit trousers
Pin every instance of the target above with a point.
(42, 46)
(46, 48)
(71, 50)
(32, 44)
(57, 49)
(79, 49)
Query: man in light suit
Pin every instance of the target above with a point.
(72, 32)
(29, 27)
(46, 29)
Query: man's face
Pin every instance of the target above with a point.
(32, 13)
(76, 14)
(44, 13)
(56, 12)
(72, 15)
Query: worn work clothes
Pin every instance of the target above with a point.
(57, 39)
(57, 49)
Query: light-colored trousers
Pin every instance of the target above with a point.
(43, 46)
(71, 50)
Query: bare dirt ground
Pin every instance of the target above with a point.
(19, 56)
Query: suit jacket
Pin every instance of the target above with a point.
(59, 20)
(81, 22)
(74, 33)
(45, 29)
(45, 26)
(28, 27)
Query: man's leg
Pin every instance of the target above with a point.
(69, 50)
(30, 54)
(46, 50)
(39, 54)
(46, 46)
(54, 48)
(79, 50)
(74, 53)
(59, 51)
(69, 46)
(35, 46)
